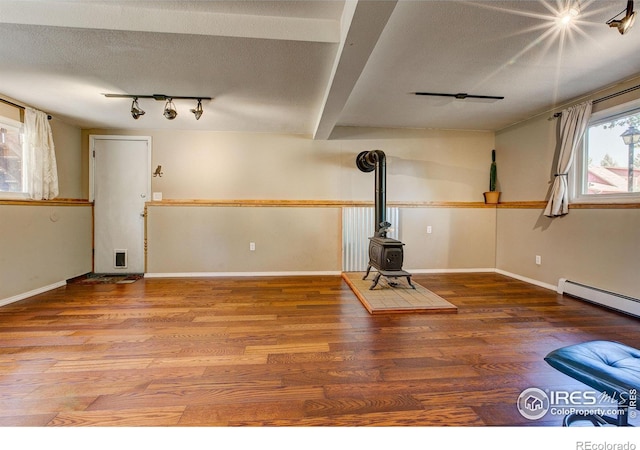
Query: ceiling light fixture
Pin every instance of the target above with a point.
(623, 25)
(136, 111)
(169, 112)
(569, 15)
(198, 110)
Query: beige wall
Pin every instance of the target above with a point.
(599, 247)
(68, 146)
(460, 238)
(198, 239)
(422, 166)
(42, 245)
(207, 239)
(525, 154)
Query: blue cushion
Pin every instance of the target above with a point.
(606, 366)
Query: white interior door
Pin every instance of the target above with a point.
(121, 178)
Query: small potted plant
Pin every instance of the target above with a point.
(492, 196)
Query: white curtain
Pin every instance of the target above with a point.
(42, 172)
(573, 124)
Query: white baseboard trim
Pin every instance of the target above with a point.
(527, 280)
(239, 274)
(17, 298)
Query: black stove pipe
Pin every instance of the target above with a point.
(367, 162)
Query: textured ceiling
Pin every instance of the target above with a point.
(308, 66)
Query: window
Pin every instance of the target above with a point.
(12, 158)
(609, 167)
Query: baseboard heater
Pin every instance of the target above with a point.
(618, 302)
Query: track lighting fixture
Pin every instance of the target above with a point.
(169, 112)
(136, 111)
(623, 25)
(198, 110)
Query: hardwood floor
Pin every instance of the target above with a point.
(291, 351)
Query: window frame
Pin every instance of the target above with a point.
(578, 171)
(6, 122)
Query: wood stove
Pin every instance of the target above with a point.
(386, 255)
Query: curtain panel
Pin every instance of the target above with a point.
(42, 173)
(573, 124)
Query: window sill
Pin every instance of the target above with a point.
(605, 205)
(576, 205)
(612, 201)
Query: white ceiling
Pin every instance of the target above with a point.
(308, 66)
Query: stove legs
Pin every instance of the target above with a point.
(375, 281)
(388, 274)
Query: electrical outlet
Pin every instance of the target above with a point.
(538, 259)
(429, 229)
(252, 246)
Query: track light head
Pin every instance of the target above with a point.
(170, 110)
(623, 25)
(198, 110)
(627, 23)
(136, 111)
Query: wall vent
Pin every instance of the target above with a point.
(120, 259)
(618, 302)
(357, 228)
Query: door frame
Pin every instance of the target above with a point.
(92, 162)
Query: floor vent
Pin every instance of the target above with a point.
(619, 302)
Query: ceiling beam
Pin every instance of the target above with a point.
(362, 25)
(129, 17)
